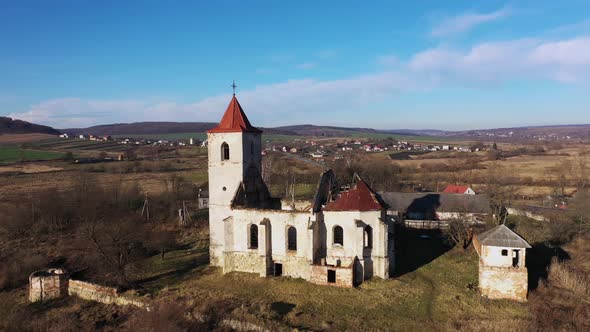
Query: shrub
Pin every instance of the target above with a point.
(563, 275)
(15, 272)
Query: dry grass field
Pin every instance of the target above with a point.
(23, 138)
(434, 288)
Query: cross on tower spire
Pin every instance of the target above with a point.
(234, 86)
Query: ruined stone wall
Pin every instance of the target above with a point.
(250, 262)
(102, 294)
(298, 205)
(45, 287)
(344, 275)
(503, 282)
(88, 291)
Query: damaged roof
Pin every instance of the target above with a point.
(360, 198)
(234, 120)
(436, 202)
(502, 236)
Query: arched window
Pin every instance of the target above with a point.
(291, 238)
(224, 151)
(368, 237)
(253, 237)
(338, 235)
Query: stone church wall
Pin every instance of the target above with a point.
(503, 282)
(344, 275)
(293, 266)
(250, 262)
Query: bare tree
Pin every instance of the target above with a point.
(267, 170)
(580, 211)
(114, 244)
(500, 193)
(459, 231)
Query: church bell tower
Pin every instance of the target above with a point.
(234, 148)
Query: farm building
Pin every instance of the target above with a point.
(436, 207)
(452, 189)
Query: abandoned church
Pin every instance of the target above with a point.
(338, 238)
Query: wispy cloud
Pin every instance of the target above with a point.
(293, 101)
(326, 54)
(388, 60)
(562, 60)
(306, 65)
(467, 21)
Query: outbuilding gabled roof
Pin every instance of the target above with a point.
(452, 189)
(502, 236)
(360, 198)
(234, 120)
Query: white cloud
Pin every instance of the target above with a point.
(466, 22)
(77, 112)
(572, 52)
(293, 99)
(565, 60)
(388, 60)
(306, 100)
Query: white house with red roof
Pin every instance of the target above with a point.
(453, 189)
(338, 238)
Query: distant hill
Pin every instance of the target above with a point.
(500, 134)
(14, 126)
(533, 132)
(155, 128)
(331, 131)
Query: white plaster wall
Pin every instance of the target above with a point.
(244, 150)
(295, 263)
(460, 215)
(354, 240)
(228, 173)
(492, 256)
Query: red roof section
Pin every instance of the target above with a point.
(360, 198)
(234, 120)
(451, 189)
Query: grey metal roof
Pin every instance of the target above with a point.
(436, 202)
(502, 236)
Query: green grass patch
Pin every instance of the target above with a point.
(197, 177)
(12, 154)
(302, 190)
(433, 297)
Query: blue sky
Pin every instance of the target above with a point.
(382, 64)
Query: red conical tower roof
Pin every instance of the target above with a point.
(234, 120)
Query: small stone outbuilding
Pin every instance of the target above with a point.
(48, 284)
(502, 270)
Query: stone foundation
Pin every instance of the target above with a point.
(293, 266)
(344, 276)
(503, 282)
(250, 262)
